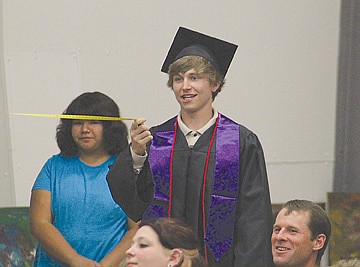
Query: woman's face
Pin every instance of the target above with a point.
(88, 136)
(146, 250)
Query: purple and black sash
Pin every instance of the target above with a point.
(220, 223)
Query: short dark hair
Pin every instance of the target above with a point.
(94, 104)
(173, 233)
(201, 66)
(319, 222)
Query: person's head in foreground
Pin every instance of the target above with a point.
(300, 234)
(164, 243)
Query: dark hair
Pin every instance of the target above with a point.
(94, 104)
(201, 67)
(319, 222)
(173, 233)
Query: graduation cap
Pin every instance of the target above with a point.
(190, 43)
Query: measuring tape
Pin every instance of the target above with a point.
(74, 117)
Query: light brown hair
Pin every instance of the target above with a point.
(201, 66)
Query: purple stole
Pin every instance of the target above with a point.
(220, 223)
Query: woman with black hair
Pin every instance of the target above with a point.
(72, 213)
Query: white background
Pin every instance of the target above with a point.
(281, 84)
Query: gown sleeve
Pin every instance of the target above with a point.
(254, 217)
(131, 190)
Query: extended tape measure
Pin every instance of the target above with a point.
(74, 117)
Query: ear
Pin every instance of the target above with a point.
(176, 256)
(319, 242)
(214, 89)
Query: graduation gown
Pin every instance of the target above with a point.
(253, 220)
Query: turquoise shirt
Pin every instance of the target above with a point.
(83, 208)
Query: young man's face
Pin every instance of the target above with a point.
(193, 92)
(291, 240)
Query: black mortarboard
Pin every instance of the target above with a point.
(190, 43)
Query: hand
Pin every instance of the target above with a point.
(84, 262)
(140, 136)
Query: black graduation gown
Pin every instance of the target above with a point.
(253, 226)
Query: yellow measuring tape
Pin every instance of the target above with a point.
(74, 117)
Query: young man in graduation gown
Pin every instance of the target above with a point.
(199, 166)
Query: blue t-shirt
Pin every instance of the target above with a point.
(83, 208)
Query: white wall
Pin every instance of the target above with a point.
(7, 190)
(281, 84)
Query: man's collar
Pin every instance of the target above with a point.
(186, 130)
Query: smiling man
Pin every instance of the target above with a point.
(300, 234)
(207, 169)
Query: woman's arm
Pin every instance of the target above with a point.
(48, 236)
(117, 255)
